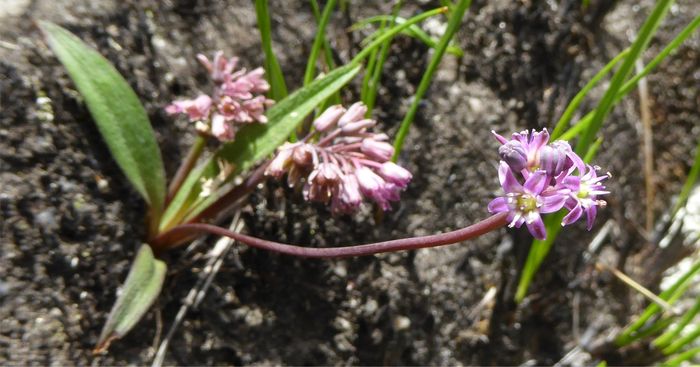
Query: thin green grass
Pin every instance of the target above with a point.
(278, 87)
(568, 114)
(452, 26)
(677, 360)
(610, 97)
(670, 335)
(675, 291)
(376, 74)
(318, 44)
(365, 52)
(689, 182)
(413, 31)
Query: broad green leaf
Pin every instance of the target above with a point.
(255, 142)
(140, 290)
(120, 117)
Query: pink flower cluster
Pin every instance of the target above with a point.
(346, 164)
(236, 98)
(540, 178)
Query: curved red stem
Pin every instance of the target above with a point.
(487, 225)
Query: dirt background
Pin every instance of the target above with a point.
(70, 223)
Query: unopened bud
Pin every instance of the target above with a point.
(552, 160)
(357, 126)
(378, 150)
(303, 155)
(395, 174)
(329, 118)
(514, 154)
(354, 113)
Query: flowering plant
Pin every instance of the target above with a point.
(342, 162)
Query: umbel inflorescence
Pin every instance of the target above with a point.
(539, 178)
(236, 99)
(342, 161)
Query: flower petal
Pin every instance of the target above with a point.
(538, 138)
(500, 138)
(552, 203)
(497, 205)
(536, 182)
(573, 215)
(536, 228)
(507, 179)
(591, 212)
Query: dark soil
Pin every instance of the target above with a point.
(70, 223)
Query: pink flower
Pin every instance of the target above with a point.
(221, 129)
(539, 178)
(196, 109)
(345, 165)
(235, 98)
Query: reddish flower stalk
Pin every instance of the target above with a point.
(475, 230)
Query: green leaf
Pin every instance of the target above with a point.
(141, 288)
(278, 87)
(646, 32)
(255, 142)
(318, 42)
(452, 26)
(120, 117)
(412, 31)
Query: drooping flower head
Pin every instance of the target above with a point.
(234, 101)
(346, 164)
(539, 177)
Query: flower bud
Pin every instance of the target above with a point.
(357, 126)
(281, 162)
(395, 174)
(221, 129)
(378, 150)
(303, 155)
(329, 118)
(370, 183)
(354, 113)
(514, 154)
(552, 160)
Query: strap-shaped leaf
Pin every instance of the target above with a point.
(141, 288)
(120, 117)
(255, 142)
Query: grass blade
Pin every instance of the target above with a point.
(452, 26)
(412, 31)
(670, 295)
(568, 114)
(278, 87)
(609, 98)
(318, 42)
(689, 182)
(376, 74)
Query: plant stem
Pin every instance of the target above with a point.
(231, 197)
(185, 167)
(487, 225)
